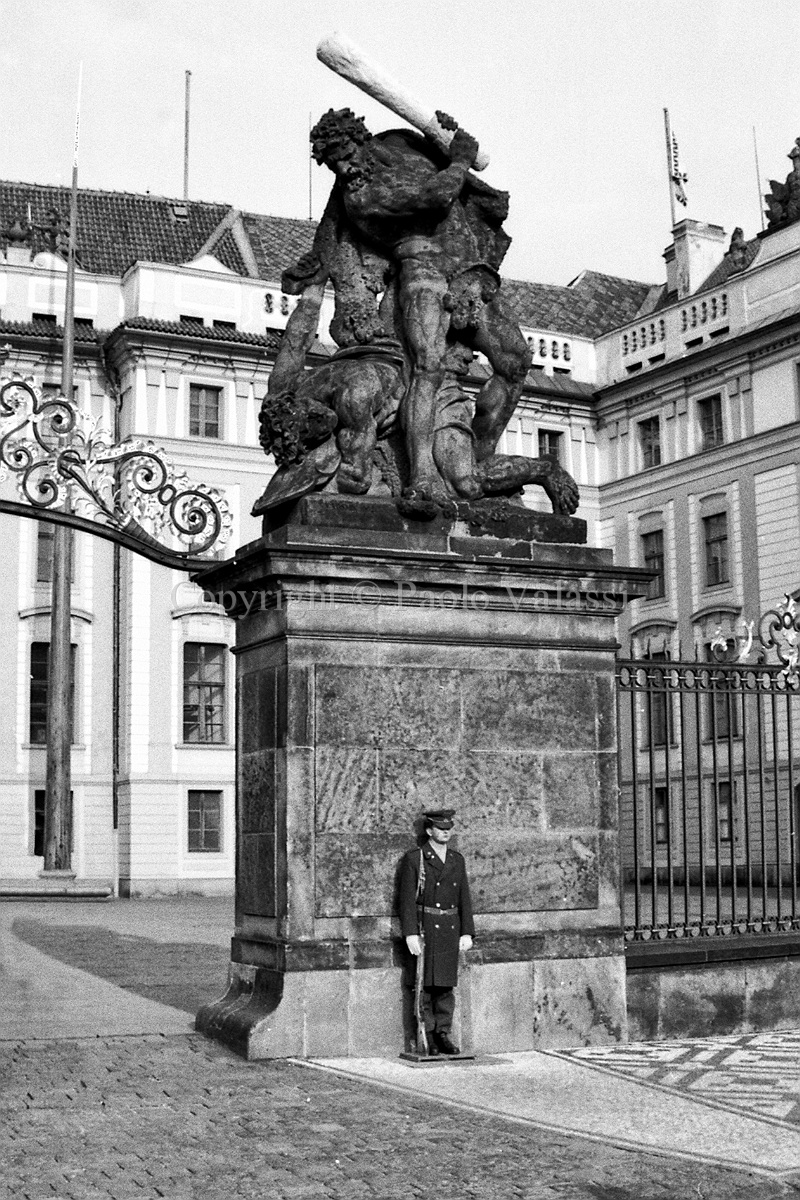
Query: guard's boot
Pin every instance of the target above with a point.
(433, 1049)
(442, 1040)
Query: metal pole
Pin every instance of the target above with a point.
(186, 140)
(58, 791)
(758, 181)
(310, 172)
(668, 134)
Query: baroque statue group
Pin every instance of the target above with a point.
(411, 242)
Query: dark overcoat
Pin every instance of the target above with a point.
(446, 887)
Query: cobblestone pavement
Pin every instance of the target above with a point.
(180, 1117)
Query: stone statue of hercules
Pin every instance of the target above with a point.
(440, 229)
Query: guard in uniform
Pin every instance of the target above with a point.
(443, 910)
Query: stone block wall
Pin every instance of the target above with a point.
(464, 682)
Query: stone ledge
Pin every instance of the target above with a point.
(41, 889)
(282, 957)
(676, 952)
(497, 518)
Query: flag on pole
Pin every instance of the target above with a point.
(677, 176)
(78, 118)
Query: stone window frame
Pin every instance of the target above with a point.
(43, 567)
(732, 815)
(659, 584)
(37, 686)
(649, 437)
(556, 436)
(716, 563)
(198, 387)
(664, 808)
(713, 433)
(200, 827)
(217, 690)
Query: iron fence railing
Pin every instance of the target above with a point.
(709, 776)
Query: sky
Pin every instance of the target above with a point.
(566, 97)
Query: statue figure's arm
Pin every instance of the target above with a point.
(395, 193)
(301, 329)
(307, 279)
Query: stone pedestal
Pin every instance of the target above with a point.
(385, 670)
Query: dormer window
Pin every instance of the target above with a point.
(180, 214)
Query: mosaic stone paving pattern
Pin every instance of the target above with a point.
(754, 1073)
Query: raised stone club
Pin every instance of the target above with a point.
(348, 60)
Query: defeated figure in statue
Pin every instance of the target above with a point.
(338, 429)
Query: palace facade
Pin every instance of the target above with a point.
(674, 405)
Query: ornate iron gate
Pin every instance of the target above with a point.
(709, 776)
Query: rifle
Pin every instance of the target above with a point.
(419, 979)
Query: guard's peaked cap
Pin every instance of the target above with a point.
(441, 817)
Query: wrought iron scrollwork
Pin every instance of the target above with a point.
(778, 631)
(64, 463)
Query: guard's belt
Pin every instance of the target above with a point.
(440, 912)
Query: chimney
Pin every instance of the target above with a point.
(696, 250)
(18, 249)
(18, 255)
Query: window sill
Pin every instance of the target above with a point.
(205, 746)
(43, 746)
(725, 586)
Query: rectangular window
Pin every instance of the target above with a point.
(709, 412)
(653, 560)
(39, 797)
(724, 811)
(45, 536)
(50, 391)
(204, 692)
(204, 411)
(659, 714)
(40, 654)
(650, 442)
(661, 807)
(38, 822)
(723, 700)
(550, 444)
(715, 536)
(205, 822)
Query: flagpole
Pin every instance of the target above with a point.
(758, 181)
(186, 138)
(58, 791)
(668, 134)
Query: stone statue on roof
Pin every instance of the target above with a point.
(783, 199)
(412, 242)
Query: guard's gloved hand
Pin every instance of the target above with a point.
(414, 944)
(465, 943)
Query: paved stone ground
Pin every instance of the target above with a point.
(180, 1117)
(184, 975)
